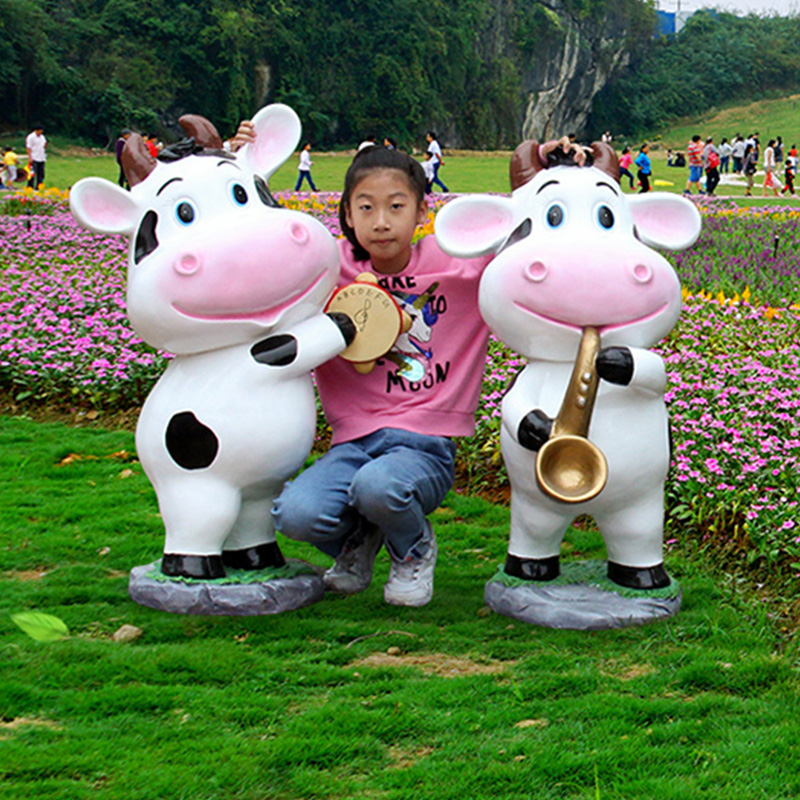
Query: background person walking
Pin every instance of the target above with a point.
(436, 156)
(694, 152)
(36, 145)
(642, 161)
(304, 168)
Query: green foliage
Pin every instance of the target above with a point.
(88, 68)
(714, 57)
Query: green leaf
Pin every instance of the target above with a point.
(41, 627)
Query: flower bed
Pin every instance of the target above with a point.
(733, 360)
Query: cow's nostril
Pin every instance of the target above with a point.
(298, 232)
(536, 272)
(642, 273)
(187, 264)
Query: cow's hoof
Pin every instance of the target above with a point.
(204, 568)
(638, 577)
(253, 558)
(533, 569)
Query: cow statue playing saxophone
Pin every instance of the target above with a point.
(234, 285)
(576, 288)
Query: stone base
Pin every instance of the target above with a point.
(581, 598)
(240, 594)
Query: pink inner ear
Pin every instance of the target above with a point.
(107, 210)
(264, 152)
(471, 227)
(670, 223)
(277, 133)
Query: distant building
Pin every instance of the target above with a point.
(671, 22)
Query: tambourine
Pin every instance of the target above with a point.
(377, 317)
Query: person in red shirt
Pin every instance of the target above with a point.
(694, 152)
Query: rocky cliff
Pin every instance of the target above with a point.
(563, 52)
(568, 70)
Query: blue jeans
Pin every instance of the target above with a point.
(392, 478)
(436, 179)
(301, 174)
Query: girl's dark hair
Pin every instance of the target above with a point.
(368, 160)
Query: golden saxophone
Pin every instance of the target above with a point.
(569, 467)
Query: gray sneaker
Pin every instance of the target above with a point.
(352, 571)
(410, 582)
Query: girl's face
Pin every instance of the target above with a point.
(384, 213)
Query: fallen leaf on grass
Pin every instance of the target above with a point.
(126, 473)
(71, 458)
(532, 723)
(41, 627)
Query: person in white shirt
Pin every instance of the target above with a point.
(737, 153)
(436, 157)
(427, 168)
(770, 181)
(304, 168)
(36, 144)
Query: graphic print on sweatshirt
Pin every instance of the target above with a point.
(411, 358)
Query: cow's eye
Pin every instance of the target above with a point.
(185, 213)
(605, 216)
(239, 194)
(555, 216)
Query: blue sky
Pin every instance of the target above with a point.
(736, 6)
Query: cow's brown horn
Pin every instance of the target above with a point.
(201, 130)
(137, 163)
(525, 163)
(606, 159)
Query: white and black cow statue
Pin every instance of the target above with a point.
(573, 255)
(233, 284)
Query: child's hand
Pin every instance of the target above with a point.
(245, 135)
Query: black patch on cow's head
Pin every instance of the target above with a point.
(146, 239)
(264, 194)
(191, 444)
(189, 147)
(519, 233)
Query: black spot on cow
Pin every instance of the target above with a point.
(191, 444)
(275, 351)
(146, 240)
(264, 194)
(522, 231)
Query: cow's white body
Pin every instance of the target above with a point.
(223, 278)
(264, 418)
(630, 426)
(546, 284)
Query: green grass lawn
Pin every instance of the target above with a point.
(488, 172)
(352, 698)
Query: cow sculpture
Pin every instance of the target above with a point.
(234, 285)
(576, 288)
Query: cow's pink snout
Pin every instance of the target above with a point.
(187, 264)
(642, 273)
(536, 272)
(299, 233)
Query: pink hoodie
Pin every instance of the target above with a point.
(443, 354)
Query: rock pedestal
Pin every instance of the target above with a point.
(239, 594)
(581, 598)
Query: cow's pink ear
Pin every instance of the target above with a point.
(665, 220)
(278, 131)
(102, 206)
(474, 225)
